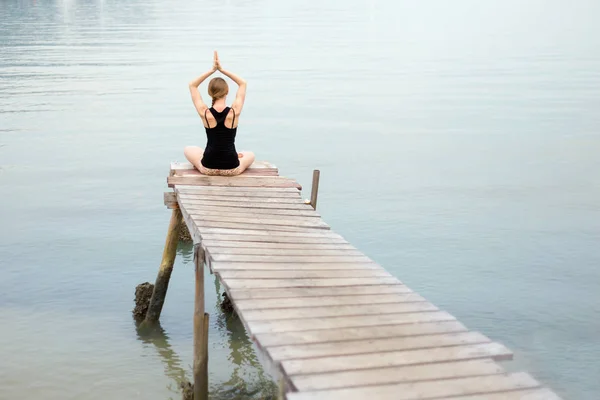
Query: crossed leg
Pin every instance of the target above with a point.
(194, 155)
(246, 160)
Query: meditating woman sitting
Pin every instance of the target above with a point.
(220, 156)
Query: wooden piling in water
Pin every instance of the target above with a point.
(166, 267)
(201, 320)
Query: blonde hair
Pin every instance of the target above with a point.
(217, 88)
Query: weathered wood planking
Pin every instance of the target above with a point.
(242, 199)
(396, 358)
(285, 251)
(243, 266)
(290, 259)
(273, 190)
(535, 394)
(369, 346)
(450, 325)
(323, 301)
(254, 204)
(275, 234)
(202, 224)
(233, 181)
(268, 239)
(231, 192)
(403, 374)
(302, 282)
(306, 324)
(336, 324)
(478, 385)
(336, 311)
(298, 274)
(258, 246)
(294, 199)
(276, 293)
(240, 211)
(280, 220)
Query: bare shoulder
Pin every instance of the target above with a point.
(233, 110)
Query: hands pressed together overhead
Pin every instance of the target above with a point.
(216, 62)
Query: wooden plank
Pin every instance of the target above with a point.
(396, 358)
(280, 314)
(236, 189)
(200, 191)
(339, 267)
(382, 376)
(427, 390)
(283, 251)
(257, 239)
(241, 294)
(227, 203)
(280, 353)
(265, 219)
(318, 233)
(257, 246)
(291, 283)
(202, 224)
(219, 197)
(239, 211)
(254, 194)
(306, 324)
(324, 301)
(232, 181)
(316, 223)
(535, 394)
(357, 333)
(290, 259)
(303, 274)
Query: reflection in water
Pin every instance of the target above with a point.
(157, 336)
(242, 356)
(185, 250)
(247, 381)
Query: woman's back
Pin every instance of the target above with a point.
(220, 152)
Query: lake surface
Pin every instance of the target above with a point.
(459, 144)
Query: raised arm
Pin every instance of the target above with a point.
(201, 107)
(240, 96)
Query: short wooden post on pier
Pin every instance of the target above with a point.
(166, 267)
(314, 192)
(201, 320)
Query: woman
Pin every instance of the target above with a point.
(220, 156)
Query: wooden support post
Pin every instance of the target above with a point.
(166, 267)
(281, 391)
(200, 330)
(314, 193)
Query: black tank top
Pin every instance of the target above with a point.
(220, 152)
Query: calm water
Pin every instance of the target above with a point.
(458, 141)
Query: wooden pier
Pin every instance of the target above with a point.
(325, 318)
